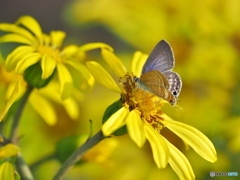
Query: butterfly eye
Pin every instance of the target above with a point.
(171, 102)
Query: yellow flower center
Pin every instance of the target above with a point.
(143, 101)
(50, 51)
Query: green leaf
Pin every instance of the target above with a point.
(66, 146)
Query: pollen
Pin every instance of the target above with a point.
(50, 51)
(145, 102)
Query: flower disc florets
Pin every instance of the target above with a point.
(135, 98)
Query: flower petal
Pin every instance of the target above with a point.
(17, 54)
(91, 46)
(57, 38)
(114, 62)
(135, 128)
(159, 146)
(102, 76)
(27, 61)
(30, 23)
(13, 84)
(86, 74)
(180, 163)
(197, 140)
(83, 71)
(15, 38)
(70, 104)
(116, 121)
(66, 83)
(12, 98)
(7, 171)
(44, 108)
(69, 50)
(17, 30)
(48, 65)
(46, 40)
(137, 63)
(8, 150)
(71, 107)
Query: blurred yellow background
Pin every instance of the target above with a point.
(205, 38)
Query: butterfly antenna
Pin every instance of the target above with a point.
(177, 107)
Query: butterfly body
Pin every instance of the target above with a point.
(157, 75)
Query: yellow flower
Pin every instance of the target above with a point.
(141, 113)
(7, 171)
(6, 168)
(101, 152)
(232, 129)
(8, 150)
(45, 50)
(41, 99)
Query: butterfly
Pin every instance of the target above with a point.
(157, 76)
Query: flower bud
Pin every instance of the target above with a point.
(33, 76)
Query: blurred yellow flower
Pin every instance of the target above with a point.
(6, 168)
(7, 171)
(141, 112)
(232, 129)
(160, 19)
(44, 48)
(8, 150)
(101, 152)
(48, 52)
(41, 99)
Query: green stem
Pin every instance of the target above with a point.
(23, 168)
(41, 161)
(77, 155)
(17, 116)
(21, 165)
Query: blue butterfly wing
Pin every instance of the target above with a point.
(160, 59)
